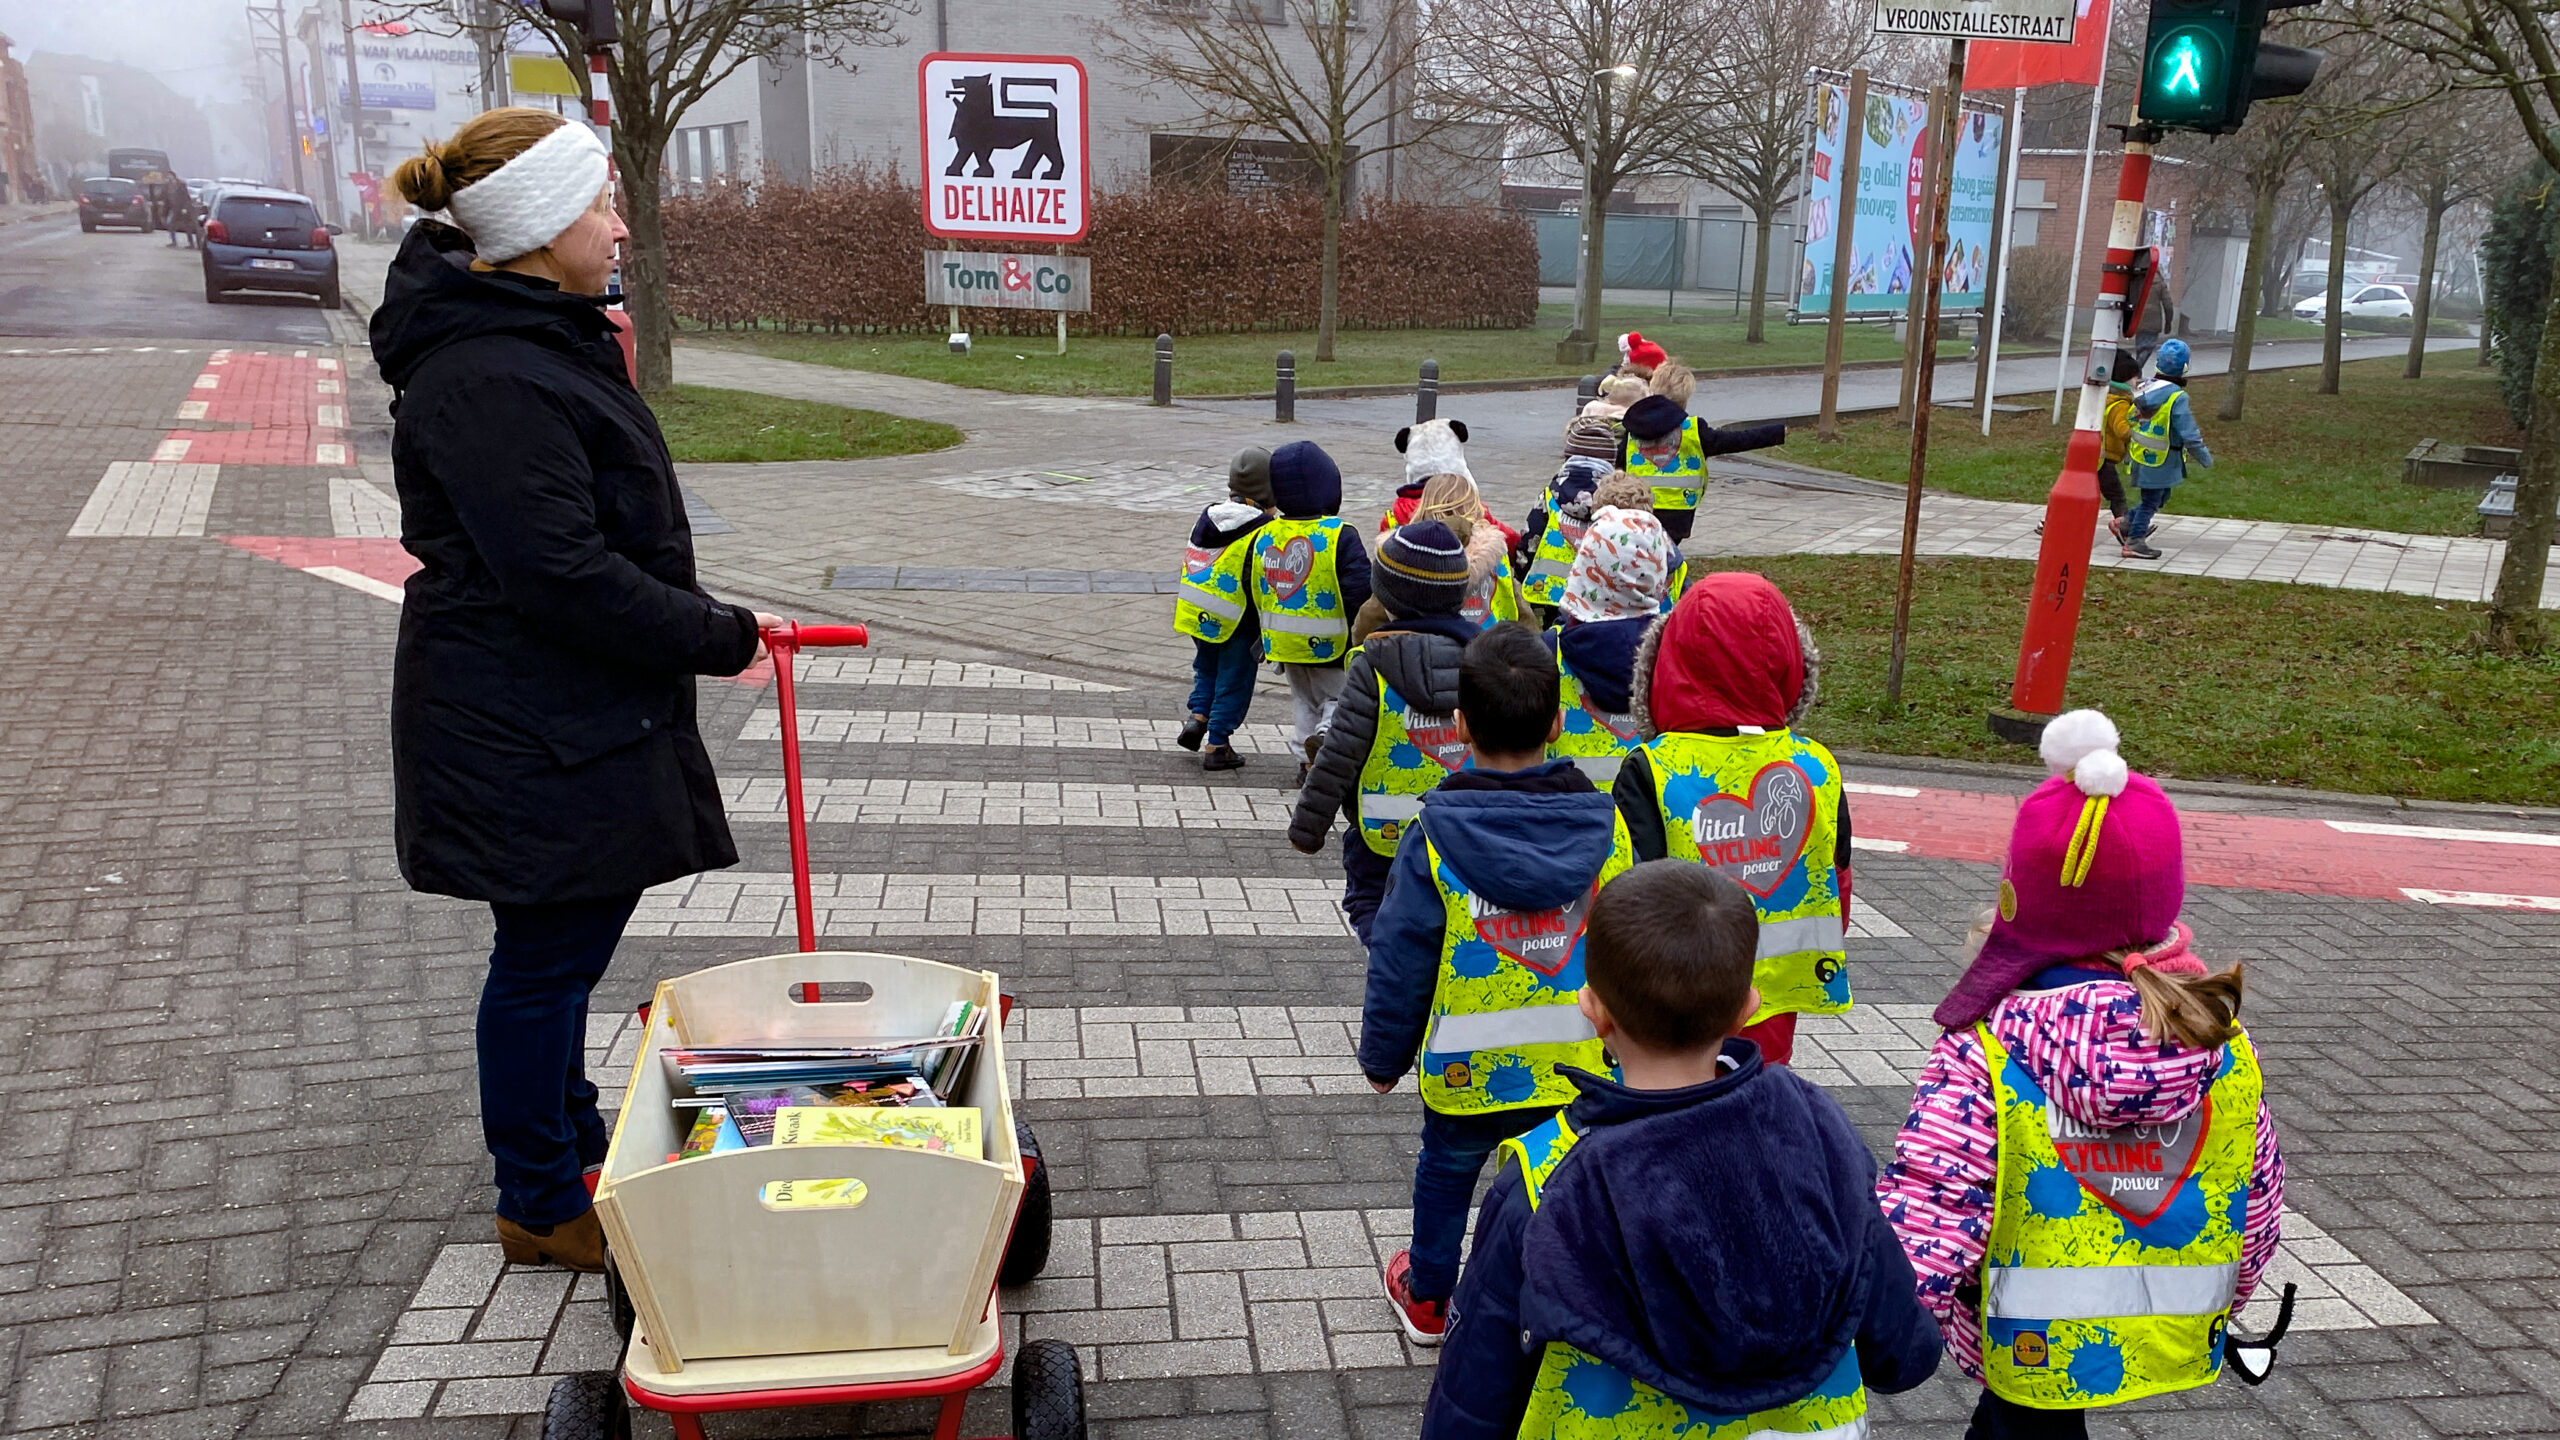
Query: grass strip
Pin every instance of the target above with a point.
(704, 426)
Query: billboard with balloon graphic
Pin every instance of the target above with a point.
(1888, 205)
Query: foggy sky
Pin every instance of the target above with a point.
(194, 46)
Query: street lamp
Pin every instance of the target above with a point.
(1584, 341)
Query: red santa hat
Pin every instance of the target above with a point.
(1634, 349)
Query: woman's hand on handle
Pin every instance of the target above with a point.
(766, 622)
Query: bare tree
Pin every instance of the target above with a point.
(2361, 119)
(1750, 140)
(671, 54)
(1334, 78)
(2261, 160)
(1612, 83)
(2508, 47)
(2462, 154)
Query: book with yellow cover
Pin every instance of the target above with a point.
(949, 1130)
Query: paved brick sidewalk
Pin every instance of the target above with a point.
(246, 1195)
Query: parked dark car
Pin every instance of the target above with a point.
(106, 200)
(268, 240)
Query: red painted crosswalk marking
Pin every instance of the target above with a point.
(264, 410)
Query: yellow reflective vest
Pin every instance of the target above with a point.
(1553, 557)
(1680, 482)
(1594, 739)
(2153, 436)
(1765, 809)
(1296, 592)
(1579, 1396)
(1409, 755)
(1211, 603)
(2114, 1254)
(1503, 1011)
(1489, 604)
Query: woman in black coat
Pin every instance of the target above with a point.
(544, 752)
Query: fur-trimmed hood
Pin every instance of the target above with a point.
(1488, 553)
(1726, 606)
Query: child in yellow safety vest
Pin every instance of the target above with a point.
(1309, 575)
(1723, 779)
(1475, 959)
(1493, 596)
(1693, 1246)
(1214, 607)
(2089, 1183)
(1668, 448)
(1395, 733)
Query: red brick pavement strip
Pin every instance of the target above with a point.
(278, 401)
(2303, 857)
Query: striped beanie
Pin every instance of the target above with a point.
(1595, 436)
(1421, 570)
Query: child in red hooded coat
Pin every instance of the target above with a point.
(1722, 778)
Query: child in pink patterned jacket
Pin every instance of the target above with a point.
(2088, 1040)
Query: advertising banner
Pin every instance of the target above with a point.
(1888, 207)
(1008, 282)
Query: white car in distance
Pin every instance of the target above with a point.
(2384, 302)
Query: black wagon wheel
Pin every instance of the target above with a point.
(618, 1299)
(1027, 1253)
(587, 1406)
(1048, 1393)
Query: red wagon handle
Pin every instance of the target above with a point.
(784, 642)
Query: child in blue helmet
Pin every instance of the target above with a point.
(2164, 435)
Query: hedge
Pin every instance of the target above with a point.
(847, 253)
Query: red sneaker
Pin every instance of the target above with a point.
(1426, 1322)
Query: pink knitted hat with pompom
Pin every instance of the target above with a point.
(2095, 865)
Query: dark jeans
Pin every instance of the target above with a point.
(537, 1109)
(1676, 523)
(2138, 527)
(1454, 1148)
(1222, 683)
(1998, 1419)
(1364, 880)
(2111, 488)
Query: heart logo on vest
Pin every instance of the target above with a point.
(1285, 568)
(1756, 842)
(1437, 737)
(2134, 1170)
(1543, 940)
(1621, 725)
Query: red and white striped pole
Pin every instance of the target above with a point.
(2071, 507)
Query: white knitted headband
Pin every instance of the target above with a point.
(524, 204)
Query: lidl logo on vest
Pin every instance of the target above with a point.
(2029, 1351)
(1437, 737)
(1285, 568)
(2135, 1170)
(1543, 940)
(1454, 1075)
(1757, 841)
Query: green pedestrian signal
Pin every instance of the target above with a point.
(2203, 63)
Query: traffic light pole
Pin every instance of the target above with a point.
(2071, 507)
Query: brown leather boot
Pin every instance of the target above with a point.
(576, 1244)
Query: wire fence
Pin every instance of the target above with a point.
(1699, 263)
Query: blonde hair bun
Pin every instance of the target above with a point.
(420, 179)
(474, 152)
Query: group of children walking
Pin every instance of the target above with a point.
(1599, 873)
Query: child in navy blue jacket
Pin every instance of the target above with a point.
(1692, 1244)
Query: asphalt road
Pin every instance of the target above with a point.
(56, 282)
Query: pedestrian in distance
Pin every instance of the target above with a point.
(1721, 778)
(2164, 436)
(1309, 574)
(1668, 448)
(1214, 607)
(1394, 735)
(1693, 1246)
(2089, 1181)
(1619, 584)
(545, 758)
(1475, 959)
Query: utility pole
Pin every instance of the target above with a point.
(273, 16)
(355, 107)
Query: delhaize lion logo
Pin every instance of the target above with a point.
(979, 131)
(1757, 841)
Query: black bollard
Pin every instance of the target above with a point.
(1284, 391)
(1164, 370)
(1426, 393)
(1585, 391)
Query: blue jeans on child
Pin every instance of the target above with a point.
(1222, 682)
(537, 1107)
(1454, 1148)
(2138, 525)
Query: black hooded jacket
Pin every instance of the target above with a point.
(543, 743)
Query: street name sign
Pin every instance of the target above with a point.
(2041, 21)
(1006, 148)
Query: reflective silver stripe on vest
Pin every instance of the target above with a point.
(1547, 565)
(1503, 1029)
(2107, 1292)
(1808, 932)
(1317, 625)
(1603, 769)
(1213, 601)
(1382, 808)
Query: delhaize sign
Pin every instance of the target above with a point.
(1005, 153)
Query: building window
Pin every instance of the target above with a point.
(707, 155)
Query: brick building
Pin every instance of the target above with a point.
(19, 177)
